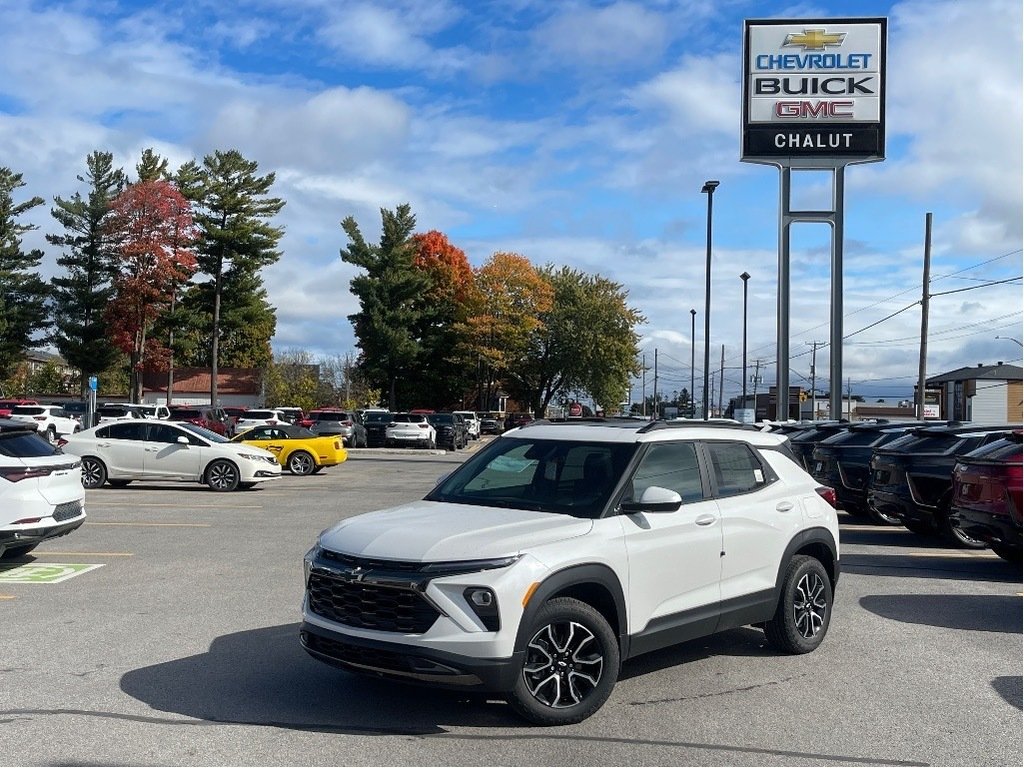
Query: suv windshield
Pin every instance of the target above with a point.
(558, 476)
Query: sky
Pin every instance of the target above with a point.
(575, 133)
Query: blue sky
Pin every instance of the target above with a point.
(574, 133)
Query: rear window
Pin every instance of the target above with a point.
(260, 415)
(328, 416)
(1007, 449)
(186, 413)
(112, 410)
(24, 444)
(27, 410)
(930, 443)
(441, 418)
(408, 418)
(853, 437)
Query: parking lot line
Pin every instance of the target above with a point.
(154, 525)
(8, 597)
(948, 553)
(83, 554)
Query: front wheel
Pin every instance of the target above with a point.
(94, 473)
(805, 607)
(570, 667)
(51, 435)
(222, 475)
(301, 463)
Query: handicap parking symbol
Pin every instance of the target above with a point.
(52, 573)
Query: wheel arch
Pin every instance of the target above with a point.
(813, 542)
(594, 584)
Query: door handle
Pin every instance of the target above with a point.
(784, 506)
(705, 520)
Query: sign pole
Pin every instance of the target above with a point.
(835, 352)
(782, 323)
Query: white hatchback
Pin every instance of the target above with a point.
(147, 449)
(41, 494)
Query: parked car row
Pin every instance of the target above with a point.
(961, 481)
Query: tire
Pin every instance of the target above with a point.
(301, 463)
(118, 483)
(94, 473)
(954, 534)
(12, 553)
(51, 435)
(570, 666)
(805, 607)
(222, 475)
(1009, 554)
(246, 486)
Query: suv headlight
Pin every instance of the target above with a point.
(307, 562)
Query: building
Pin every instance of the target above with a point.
(987, 394)
(235, 386)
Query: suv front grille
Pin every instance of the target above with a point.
(357, 604)
(368, 564)
(67, 510)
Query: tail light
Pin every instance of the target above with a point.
(423, 426)
(39, 418)
(17, 474)
(61, 442)
(337, 445)
(828, 494)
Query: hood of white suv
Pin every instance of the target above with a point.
(434, 531)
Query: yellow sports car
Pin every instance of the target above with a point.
(297, 449)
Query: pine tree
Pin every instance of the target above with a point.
(387, 293)
(23, 295)
(82, 293)
(232, 212)
(152, 167)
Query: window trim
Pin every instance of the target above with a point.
(770, 476)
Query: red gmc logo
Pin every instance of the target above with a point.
(814, 109)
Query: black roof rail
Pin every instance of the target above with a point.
(656, 425)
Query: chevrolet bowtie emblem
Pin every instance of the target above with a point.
(814, 39)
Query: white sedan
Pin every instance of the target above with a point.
(145, 449)
(410, 429)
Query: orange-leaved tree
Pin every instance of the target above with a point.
(508, 299)
(444, 370)
(151, 226)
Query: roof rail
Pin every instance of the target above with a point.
(694, 423)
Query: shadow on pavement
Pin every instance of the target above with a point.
(1009, 688)
(744, 641)
(937, 564)
(982, 613)
(264, 677)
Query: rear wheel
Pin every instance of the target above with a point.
(958, 537)
(222, 475)
(570, 667)
(1010, 554)
(301, 463)
(94, 473)
(805, 607)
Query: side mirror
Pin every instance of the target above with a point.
(654, 499)
(182, 440)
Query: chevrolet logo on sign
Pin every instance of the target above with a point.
(814, 39)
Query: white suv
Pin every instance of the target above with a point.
(560, 550)
(41, 493)
(472, 423)
(49, 420)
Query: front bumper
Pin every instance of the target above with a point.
(412, 664)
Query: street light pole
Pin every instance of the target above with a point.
(744, 277)
(693, 349)
(709, 190)
(1010, 338)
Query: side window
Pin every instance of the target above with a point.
(669, 465)
(127, 431)
(163, 433)
(259, 433)
(736, 468)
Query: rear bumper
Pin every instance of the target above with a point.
(11, 539)
(992, 529)
(408, 663)
(902, 507)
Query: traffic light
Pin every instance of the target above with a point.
(803, 395)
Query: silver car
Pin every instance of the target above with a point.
(347, 424)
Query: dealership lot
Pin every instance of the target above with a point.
(182, 648)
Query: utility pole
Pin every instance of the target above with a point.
(757, 378)
(721, 382)
(849, 400)
(656, 413)
(814, 391)
(922, 363)
(643, 385)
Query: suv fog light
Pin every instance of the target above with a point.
(484, 605)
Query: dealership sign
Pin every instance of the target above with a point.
(814, 89)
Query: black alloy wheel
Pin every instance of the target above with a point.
(570, 666)
(805, 607)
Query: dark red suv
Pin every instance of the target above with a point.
(214, 419)
(987, 496)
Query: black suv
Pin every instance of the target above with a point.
(376, 423)
(805, 440)
(842, 462)
(451, 430)
(912, 478)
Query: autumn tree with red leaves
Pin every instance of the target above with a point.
(445, 371)
(151, 226)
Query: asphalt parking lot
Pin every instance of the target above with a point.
(181, 648)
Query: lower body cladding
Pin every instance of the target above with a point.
(25, 536)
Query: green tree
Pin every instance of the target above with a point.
(388, 293)
(232, 210)
(23, 294)
(585, 341)
(85, 288)
(152, 167)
